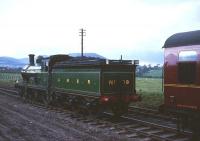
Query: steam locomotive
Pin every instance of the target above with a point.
(86, 83)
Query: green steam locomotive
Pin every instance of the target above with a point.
(83, 82)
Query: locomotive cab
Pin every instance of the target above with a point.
(30, 72)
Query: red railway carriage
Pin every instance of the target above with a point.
(182, 76)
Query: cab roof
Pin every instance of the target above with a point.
(183, 39)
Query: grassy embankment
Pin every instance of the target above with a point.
(8, 79)
(151, 92)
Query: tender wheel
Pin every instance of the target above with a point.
(119, 109)
(30, 96)
(24, 94)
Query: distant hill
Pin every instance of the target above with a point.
(95, 55)
(12, 62)
(24, 60)
(18, 63)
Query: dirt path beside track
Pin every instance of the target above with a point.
(20, 121)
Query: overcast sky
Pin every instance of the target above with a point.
(137, 29)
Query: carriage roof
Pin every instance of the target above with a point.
(183, 39)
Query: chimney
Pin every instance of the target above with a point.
(31, 59)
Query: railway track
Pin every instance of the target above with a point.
(128, 126)
(10, 92)
(131, 128)
(150, 112)
(155, 130)
(141, 112)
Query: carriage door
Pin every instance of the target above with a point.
(187, 74)
(187, 67)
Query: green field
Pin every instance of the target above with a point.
(152, 85)
(8, 79)
(151, 92)
(10, 76)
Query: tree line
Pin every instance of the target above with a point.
(149, 71)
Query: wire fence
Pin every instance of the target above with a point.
(10, 76)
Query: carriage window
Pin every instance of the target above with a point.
(187, 72)
(188, 56)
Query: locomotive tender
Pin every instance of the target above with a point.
(182, 77)
(84, 82)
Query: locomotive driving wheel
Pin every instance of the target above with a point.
(45, 99)
(21, 92)
(24, 93)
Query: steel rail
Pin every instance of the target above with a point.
(151, 112)
(167, 132)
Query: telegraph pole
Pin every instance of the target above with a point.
(82, 33)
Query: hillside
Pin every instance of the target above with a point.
(12, 62)
(95, 55)
(18, 63)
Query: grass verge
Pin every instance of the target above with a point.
(151, 92)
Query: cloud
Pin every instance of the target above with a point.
(114, 27)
